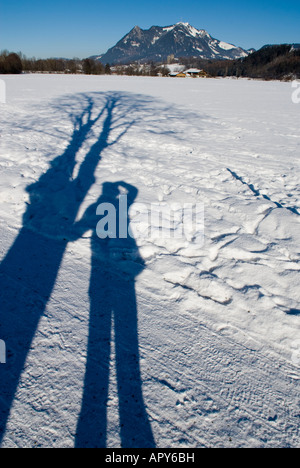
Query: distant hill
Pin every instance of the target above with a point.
(270, 62)
(157, 43)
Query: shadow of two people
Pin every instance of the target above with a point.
(28, 274)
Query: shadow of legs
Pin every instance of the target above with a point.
(92, 423)
(113, 302)
(135, 431)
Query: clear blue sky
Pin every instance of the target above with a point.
(69, 28)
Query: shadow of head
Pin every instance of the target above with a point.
(112, 191)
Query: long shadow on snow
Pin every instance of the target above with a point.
(28, 272)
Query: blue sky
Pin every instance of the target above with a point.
(65, 28)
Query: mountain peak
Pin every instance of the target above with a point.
(183, 24)
(190, 29)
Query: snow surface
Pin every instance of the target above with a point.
(213, 358)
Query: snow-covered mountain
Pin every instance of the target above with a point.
(181, 40)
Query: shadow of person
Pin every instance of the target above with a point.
(29, 270)
(113, 310)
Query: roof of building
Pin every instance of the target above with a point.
(193, 70)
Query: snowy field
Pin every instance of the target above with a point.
(165, 342)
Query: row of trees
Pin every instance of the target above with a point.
(51, 65)
(10, 63)
(17, 63)
(13, 63)
(90, 66)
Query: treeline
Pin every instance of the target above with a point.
(10, 63)
(90, 66)
(52, 65)
(269, 63)
(60, 65)
(17, 63)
